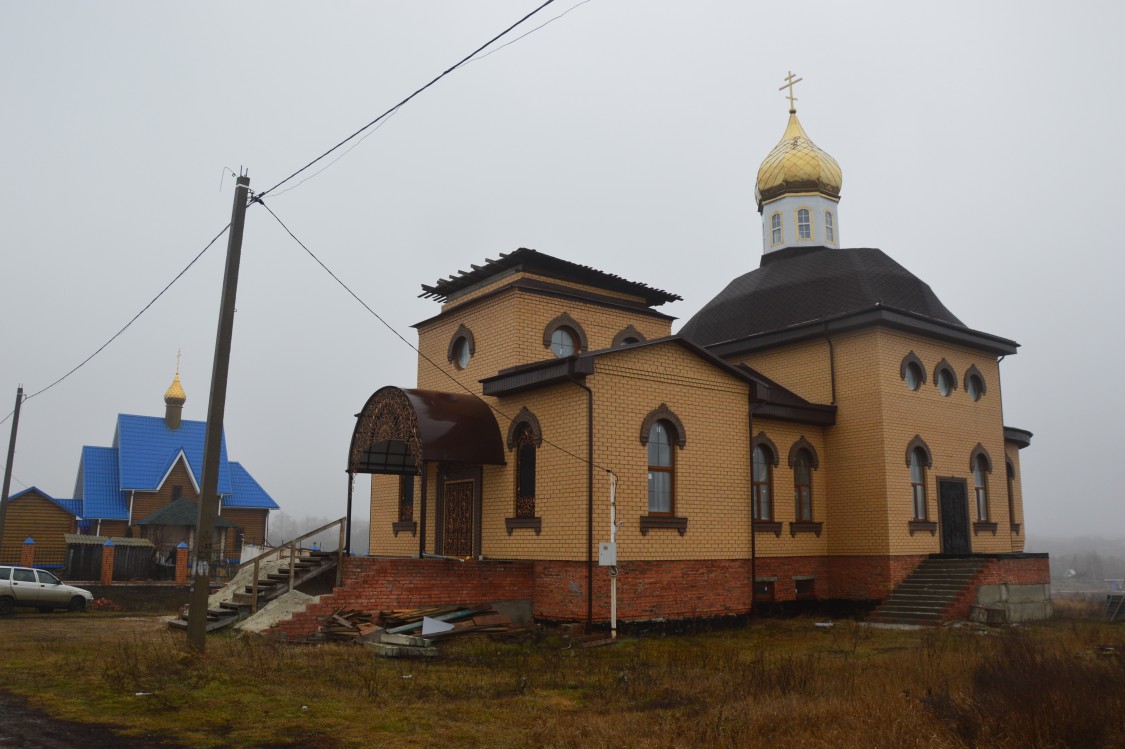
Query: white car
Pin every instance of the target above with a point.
(32, 588)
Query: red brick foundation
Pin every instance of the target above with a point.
(645, 590)
(1011, 570)
(372, 584)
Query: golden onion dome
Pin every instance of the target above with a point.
(175, 395)
(797, 165)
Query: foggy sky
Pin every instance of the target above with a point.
(979, 144)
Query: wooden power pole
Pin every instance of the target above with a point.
(212, 447)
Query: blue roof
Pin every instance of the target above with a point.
(99, 486)
(147, 449)
(72, 506)
(247, 491)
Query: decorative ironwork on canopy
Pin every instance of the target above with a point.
(399, 428)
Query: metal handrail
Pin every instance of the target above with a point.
(291, 547)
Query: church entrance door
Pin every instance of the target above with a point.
(953, 506)
(457, 518)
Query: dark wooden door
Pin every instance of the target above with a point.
(457, 519)
(953, 503)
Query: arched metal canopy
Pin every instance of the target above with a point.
(399, 428)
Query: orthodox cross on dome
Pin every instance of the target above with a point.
(790, 81)
(178, 362)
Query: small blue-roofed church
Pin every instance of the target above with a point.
(147, 484)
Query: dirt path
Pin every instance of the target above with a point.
(24, 726)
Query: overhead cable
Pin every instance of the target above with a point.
(390, 111)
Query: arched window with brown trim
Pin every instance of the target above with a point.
(762, 482)
(980, 486)
(405, 498)
(462, 346)
(802, 485)
(945, 378)
(974, 383)
(526, 448)
(918, 482)
(661, 469)
(628, 335)
(565, 337)
(803, 460)
(912, 372)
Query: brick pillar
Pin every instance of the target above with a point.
(181, 564)
(27, 554)
(107, 563)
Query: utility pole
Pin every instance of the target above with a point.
(8, 465)
(212, 446)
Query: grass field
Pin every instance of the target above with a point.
(771, 682)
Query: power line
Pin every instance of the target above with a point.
(127, 325)
(521, 36)
(404, 101)
(398, 335)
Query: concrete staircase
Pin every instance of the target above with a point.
(929, 592)
(271, 584)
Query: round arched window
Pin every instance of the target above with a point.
(563, 342)
(913, 375)
(462, 353)
(945, 381)
(975, 386)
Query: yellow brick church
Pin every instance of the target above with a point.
(824, 428)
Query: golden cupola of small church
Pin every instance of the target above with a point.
(798, 189)
(174, 399)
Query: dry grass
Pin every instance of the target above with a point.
(777, 683)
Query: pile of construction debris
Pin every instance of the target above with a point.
(412, 632)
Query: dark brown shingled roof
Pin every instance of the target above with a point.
(532, 261)
(795, 286)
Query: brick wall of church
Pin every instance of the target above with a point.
(508, 331)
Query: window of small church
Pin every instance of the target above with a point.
(775, 229)
(405, 498)
(981, 486)
(525, 472)
(918, 482)
(802, 485)
(804, 224)
(829, 228)
(763, 506)
(661, 468)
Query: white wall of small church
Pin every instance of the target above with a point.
(787, 207)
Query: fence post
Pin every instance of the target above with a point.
(107, 562)
(27, 554)
(181, 564)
